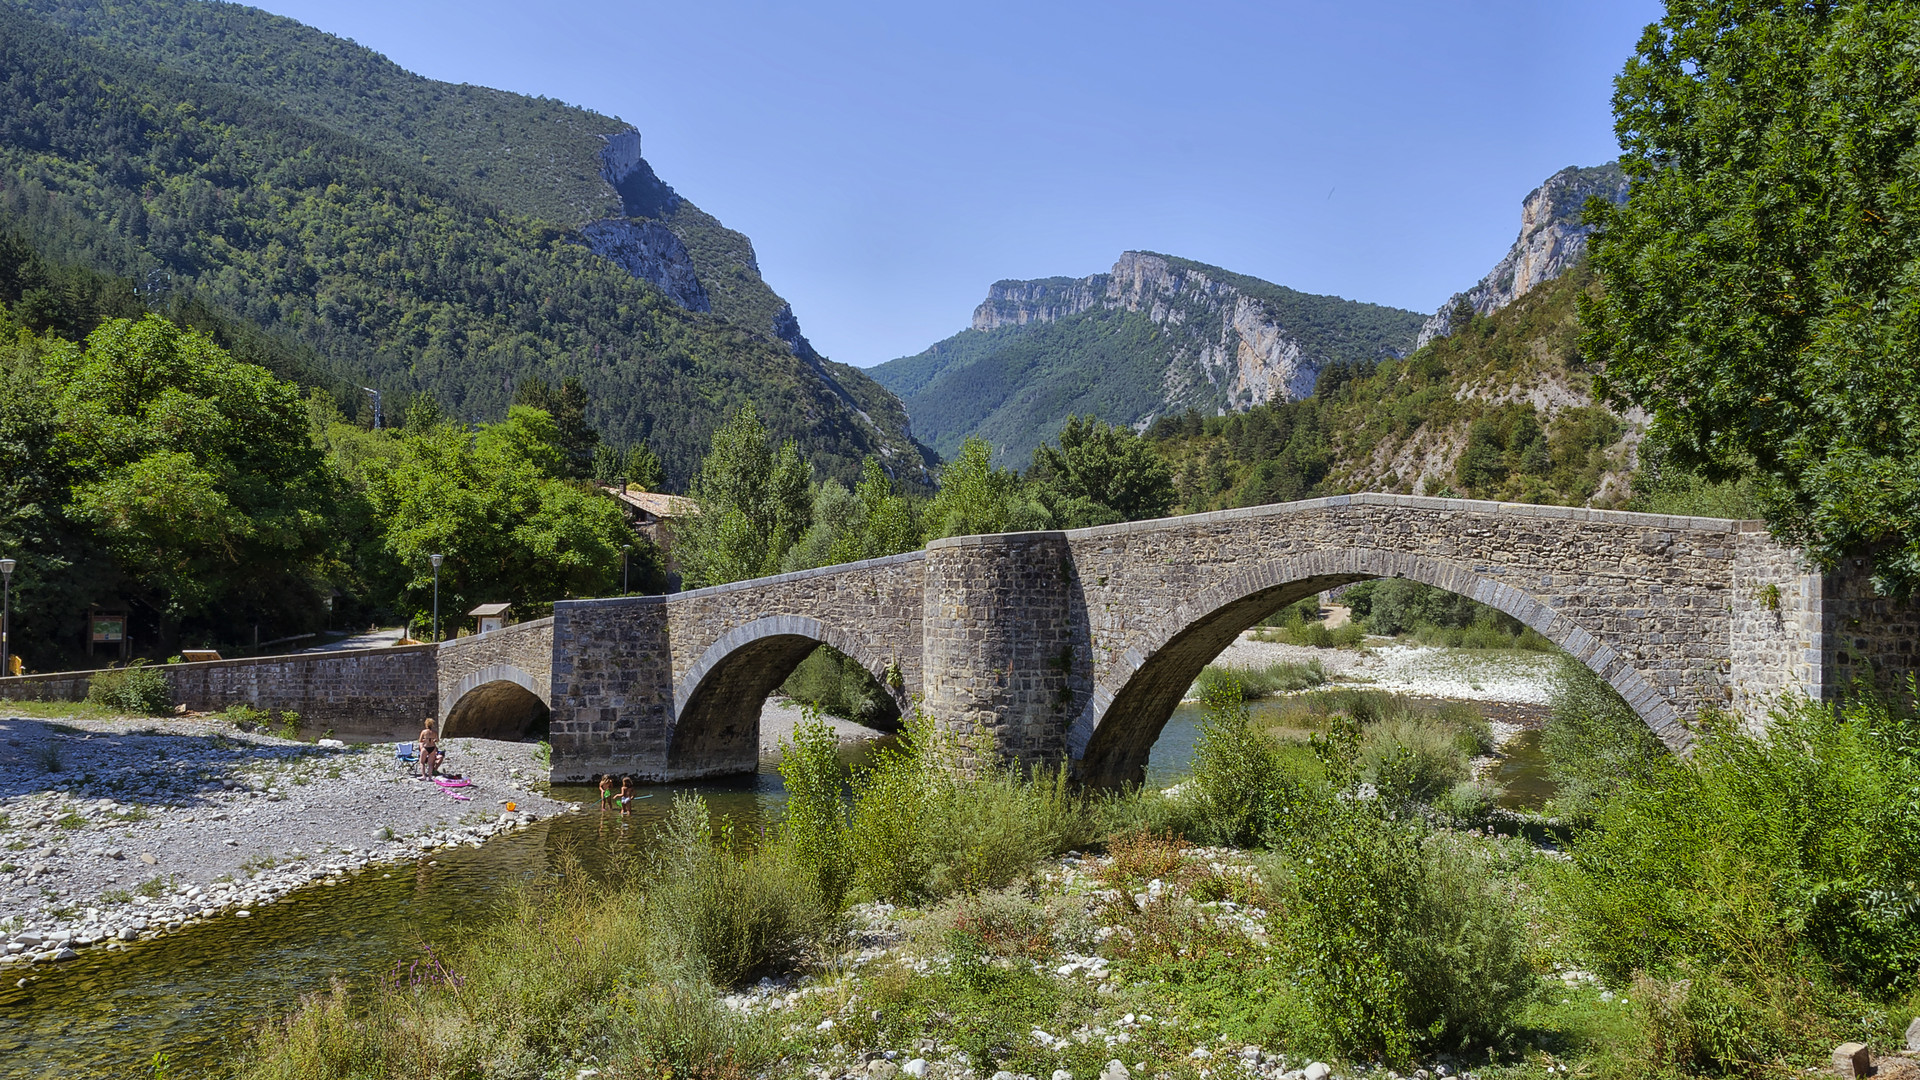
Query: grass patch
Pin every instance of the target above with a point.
(116, 896)
(154, 887)
(71, 821)
(1285, 676)
(57, 710)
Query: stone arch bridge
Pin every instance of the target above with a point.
(1077, 645)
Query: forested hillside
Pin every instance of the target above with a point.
(400, 233)
(1155, 336)
(1501, 408)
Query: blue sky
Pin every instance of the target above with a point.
(891, 160)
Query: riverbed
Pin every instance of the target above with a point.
(195, 993)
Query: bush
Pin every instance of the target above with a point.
(1760, 846)
(921, 828)
(1403, 942)
(1594, 742)
(815, 830)
(1254, 683)
(1240, 786)
(135, 688)
(1413, 758)
(724, 914)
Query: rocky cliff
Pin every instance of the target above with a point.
(1552, 238)
(1153, 335)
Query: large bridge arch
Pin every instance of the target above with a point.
(717, 703)
(1131, 702)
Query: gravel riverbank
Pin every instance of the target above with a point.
(114, 830)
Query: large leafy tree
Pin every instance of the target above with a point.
(195, 471)
(1100, 473)
(1762, 284)
(755, 501)
(493, 503)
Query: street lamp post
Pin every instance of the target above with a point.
(6, 616)
(626, 583)
(435, 560)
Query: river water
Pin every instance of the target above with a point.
(196, 994)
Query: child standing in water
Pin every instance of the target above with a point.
(606, 791)
(626, 795)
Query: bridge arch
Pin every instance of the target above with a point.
(1132, 701)
(498, 701)
(717, 703)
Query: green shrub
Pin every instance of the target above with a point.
(1401, 938)
(135, 688)
(1240, 785)
(1258, 682)
(815, 829)
(1412, 757)
(1594, 742)
(921, 827)
(1762, 845)
(725, 914)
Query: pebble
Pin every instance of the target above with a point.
(172, 807)
(1317, 1071)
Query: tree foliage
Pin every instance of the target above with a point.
(1101, 473)
(754, 503)
(1762, 283)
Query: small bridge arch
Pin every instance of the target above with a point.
(497, 685)
(717, 703)
(499, 701)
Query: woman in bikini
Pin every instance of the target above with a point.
(429, 750)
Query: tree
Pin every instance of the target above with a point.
(567, 404)
(644, 470)
(975, 498)
(754, 504)
(196, 472)
(1762, 283)
(1100, 473)
(491, 502)
(885, 524)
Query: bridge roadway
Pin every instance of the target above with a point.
(1076, 646)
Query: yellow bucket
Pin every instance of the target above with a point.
(509, 808)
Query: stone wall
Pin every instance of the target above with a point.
(374, 694)
(1865, 638)
(498, 684)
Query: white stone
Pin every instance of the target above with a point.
(915, 1068)
(1319, 1070)
(1115, 1070)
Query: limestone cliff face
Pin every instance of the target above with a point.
(1551, 240)
(1017, 303)
(640, 243)
(651, 252)
(1224, 347)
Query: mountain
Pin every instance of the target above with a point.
(417, 236)
(1153, 336)
(1496, 402)
(1552, 240)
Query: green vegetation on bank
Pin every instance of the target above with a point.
(150, 471)
(1370, 916)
